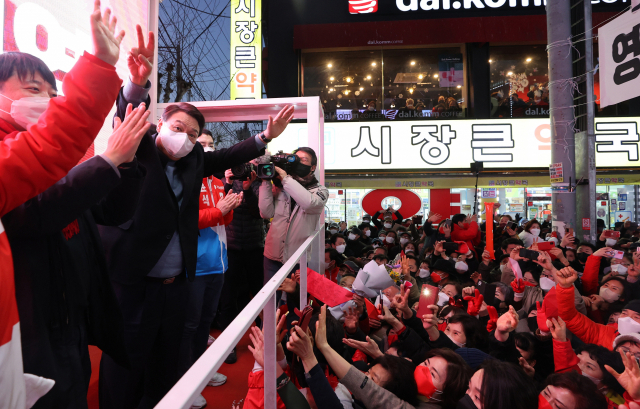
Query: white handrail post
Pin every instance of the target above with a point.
(269, 331)
(303, 280)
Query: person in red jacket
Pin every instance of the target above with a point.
(37, 151)
(623, 336)
(467, 231)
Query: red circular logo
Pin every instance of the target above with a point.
(411, 202)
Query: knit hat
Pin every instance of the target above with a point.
(444, 266)
(472, 356)
(633, 306)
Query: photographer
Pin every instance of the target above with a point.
(295, 202)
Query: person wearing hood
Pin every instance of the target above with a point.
(531, 233)
(354, 245)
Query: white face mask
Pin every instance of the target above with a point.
(385, 301)
(459, 344)
(608, 295)
(424, 273)
(177, 144)
(627, 325)
(503, 267)
(546, 283)
(610, 242)
(620, 269)
(594, 380)
(390, 239)
(387, 225)
(341, 248)
(404, 241)
(376, 245)
(462, 266)
(26, 111)
(443, 299)
(535, 232)
(208, 149)
(333, 231)
(352, 236)
(368, 233)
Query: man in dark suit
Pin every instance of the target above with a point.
(152, 257)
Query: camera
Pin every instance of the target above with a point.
(448, 246)
(243, 171)
(285, 161)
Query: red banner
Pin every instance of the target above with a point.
(488, 207)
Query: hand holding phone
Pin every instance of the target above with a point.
(530, 254)
(611, 234)
(428, 296)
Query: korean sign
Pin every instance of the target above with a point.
(619, 46)
(246, 49)
(499, 143)
(555, 172)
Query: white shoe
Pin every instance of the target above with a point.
(199, 403)
(211, 340)
(217, 379)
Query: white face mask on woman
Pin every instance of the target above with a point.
(535, 232)
(620, 269)
(610, 242)
(177, 144)
(462, 266)
(546, 283)
(404, 241)
(390, 239)
(424, 273)
(608, 295)
(387, 225)
(26, 111)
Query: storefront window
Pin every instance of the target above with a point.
(615, 204)
(519, 82)
(387, 85)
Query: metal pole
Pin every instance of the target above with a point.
(561, 106)
(591, 138)
(269, 331)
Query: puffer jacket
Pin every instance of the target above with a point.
(290, 228)
(246, 231)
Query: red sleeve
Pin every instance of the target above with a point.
(209, 217)
(467, 234)
(581, 326)
(564, 358)
(33, 160)
(590, 276)
(228, 218)
(255, 395)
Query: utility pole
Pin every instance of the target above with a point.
(167, 88)
(561, 111)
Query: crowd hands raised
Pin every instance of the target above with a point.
(544, 322)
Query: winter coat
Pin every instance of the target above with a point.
(212, 241)
(290, 227)
(246, 230)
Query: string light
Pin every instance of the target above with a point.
(368, 77)
(528, 59)
(331, 79)
(420, 76)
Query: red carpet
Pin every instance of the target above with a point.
(217, 397)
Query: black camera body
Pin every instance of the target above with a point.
(243, 171)
(285, 161)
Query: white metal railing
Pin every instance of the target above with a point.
(193, 382)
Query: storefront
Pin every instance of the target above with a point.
(415, 91)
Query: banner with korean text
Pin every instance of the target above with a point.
(246, 49)
(453, 145)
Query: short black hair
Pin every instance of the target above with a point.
(207, 132)
(335, 256)
(311, 152)
(188, 109)
(505, 385)
(335, 237)
(401, 381)
(25, 66)
(511, 240)
(586, 395)
(587, 244)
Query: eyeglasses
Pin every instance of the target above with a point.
(626, 350)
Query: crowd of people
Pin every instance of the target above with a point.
(142, 249)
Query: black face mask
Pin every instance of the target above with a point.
(582, 257)
(532, 322)
(302, 170)
(466, 403)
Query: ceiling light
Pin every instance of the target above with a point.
(368, 77)
(411, 90)
(329, 65)
(361, 89)
(528, 59)
(490, 61)
(348, 79)
(459, 86)
(435, 75)
(413, 63)
(331, 79)
(509, 73)
(420, 76)
(373, 64)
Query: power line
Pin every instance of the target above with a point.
(202, 11)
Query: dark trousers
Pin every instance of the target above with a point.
(70, 367)
(154, 316)
(204, 294)
(271, 267)
(242, 281)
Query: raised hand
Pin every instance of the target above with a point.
(434, 217)
(247, 183)
(506, 323)
(281, 328)
(257, 340)
(140, 59)
(566, 277)
(370, 347)
(528, 369)
(351, 320)
(321, 329)
(558, 329)
(515, 253)
(493, 318)
(430, 320)
(630, 378)
(278, 124)
(288, 285)
(123, 142)
(404, 265)
(301, 344)
(474, 303)
(486, 257)
(106, 44)
(438, 248)
(401, 303)
(542, 318)
(520, 284)
(603, 252)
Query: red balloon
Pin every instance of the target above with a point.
(411, 202)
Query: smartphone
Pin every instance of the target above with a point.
(530, 254)
(450, 246)
(569, 231)
(428, 296)
(611, 234)
(511, 225)
(546, 245)
(448, 223)
(617, 254)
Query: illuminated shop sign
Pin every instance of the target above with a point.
(246, 49)
(499, 143)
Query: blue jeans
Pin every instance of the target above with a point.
(202, 304)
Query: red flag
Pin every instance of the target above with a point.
(326, 290)
(488, 207)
